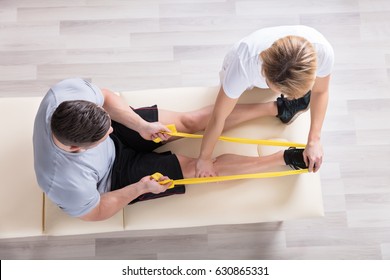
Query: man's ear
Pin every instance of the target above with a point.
(75, 149)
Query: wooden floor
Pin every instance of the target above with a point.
(128, 45)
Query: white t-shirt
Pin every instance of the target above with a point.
(242, 67)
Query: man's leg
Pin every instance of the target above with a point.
(231, 164)
(194, 121)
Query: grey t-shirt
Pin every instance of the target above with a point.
(74, 181)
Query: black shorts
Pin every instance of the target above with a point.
(135, 159)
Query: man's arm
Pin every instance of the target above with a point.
(120, 112)
(319, 102)
(112, 202)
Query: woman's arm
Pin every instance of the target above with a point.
(313, 153)
(222, 109)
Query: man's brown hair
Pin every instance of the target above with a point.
(79, 123)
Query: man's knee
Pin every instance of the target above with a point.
(187, 166)
(191, 122)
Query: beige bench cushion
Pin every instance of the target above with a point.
(20, 199)
(59, 223)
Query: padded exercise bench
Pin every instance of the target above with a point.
(25, 211)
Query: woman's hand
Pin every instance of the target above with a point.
(313, 155)
(205, 168)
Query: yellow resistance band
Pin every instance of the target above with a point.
(174, 132)
(191, 181)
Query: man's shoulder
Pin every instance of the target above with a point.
(70, 83)
(76, 89)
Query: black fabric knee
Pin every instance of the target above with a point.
(135, 158)
(133, 139)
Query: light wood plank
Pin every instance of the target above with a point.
(287, 7)
(132, 9)
(18, 72)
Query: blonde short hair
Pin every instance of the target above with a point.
(290, 64)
